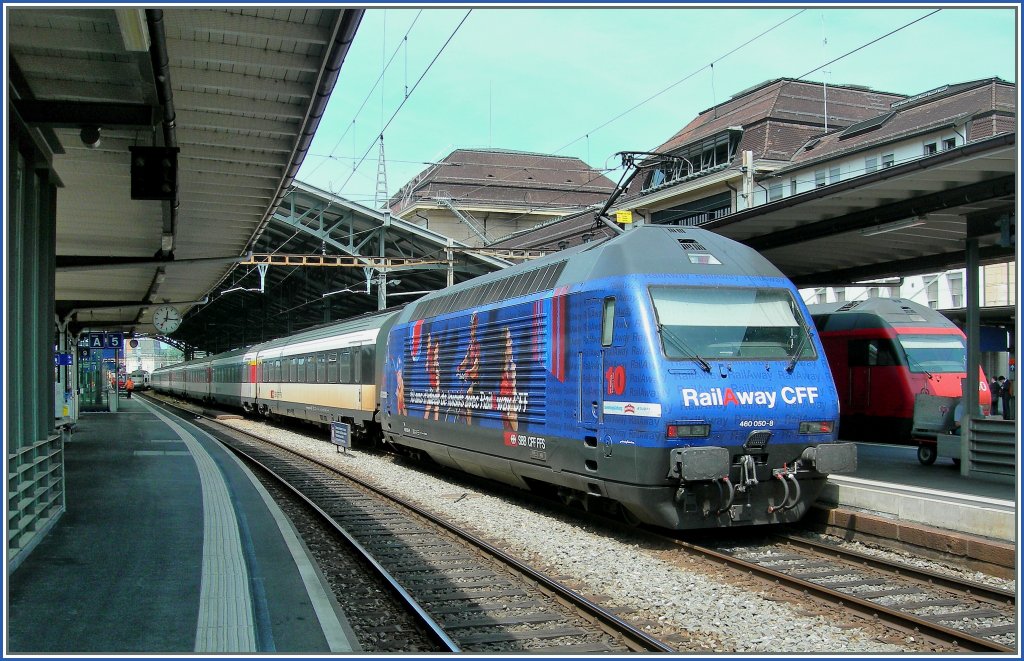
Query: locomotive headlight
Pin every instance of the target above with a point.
(689, 430)
(817, 427)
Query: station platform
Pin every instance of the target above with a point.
(890, 482)
(168, 545)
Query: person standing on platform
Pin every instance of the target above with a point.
(129, 386)
(1009, 393)
(996, 390)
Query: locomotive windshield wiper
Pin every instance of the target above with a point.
(799, 348)
(687, 351)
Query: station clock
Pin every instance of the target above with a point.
(166, 318)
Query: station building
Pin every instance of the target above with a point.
(477, 195)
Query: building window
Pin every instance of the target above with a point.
(775, 191)
(833, 175)
(956, 289)
(949, 143)
(792, 186)
(930, 148)
(888, 160)
(871, 164)
(819, 178)
(933, 293)
(840, 294)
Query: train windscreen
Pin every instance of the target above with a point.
(734, 323)
(935, 353)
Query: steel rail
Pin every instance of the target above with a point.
(633, 637)
(971, 588)
(892, 616)
(435, 630)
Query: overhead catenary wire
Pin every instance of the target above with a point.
(711, 64)
(406, 99)
(369, 94)
(656, 95)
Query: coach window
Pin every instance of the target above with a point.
(345, 364)
(277, 371)
(332, 367)
(366, 366)
(321, 367)
(608, 322)
(293, 370)
(301, 376)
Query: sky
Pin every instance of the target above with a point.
(591, 81)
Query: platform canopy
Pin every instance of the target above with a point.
(117, 95)
(905, 220)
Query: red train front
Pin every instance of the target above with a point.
(883, 352)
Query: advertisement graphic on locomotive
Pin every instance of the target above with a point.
(669, 375)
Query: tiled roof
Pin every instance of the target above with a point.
(785, 100)
(959, 103)
(497, 178)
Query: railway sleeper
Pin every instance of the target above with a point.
(535, 618)
(961, 615)
(510, 636)
(989, 632)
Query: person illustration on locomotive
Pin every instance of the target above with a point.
(469, 368)
(507, 386)
(433, 366)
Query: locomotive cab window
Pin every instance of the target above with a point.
(872, 353)
(608, 322)
(934, 353)
(698, 323)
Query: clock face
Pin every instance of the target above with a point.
(166, 319)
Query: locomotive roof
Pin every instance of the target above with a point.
(667, 249)
(876, 313)
(644, 249)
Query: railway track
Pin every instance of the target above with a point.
(469, 594)
(967, 615)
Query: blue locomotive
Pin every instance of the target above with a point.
(668, 374)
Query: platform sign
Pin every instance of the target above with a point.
(340, 435)
(113, 340)
(63, 359)
(96, 340)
